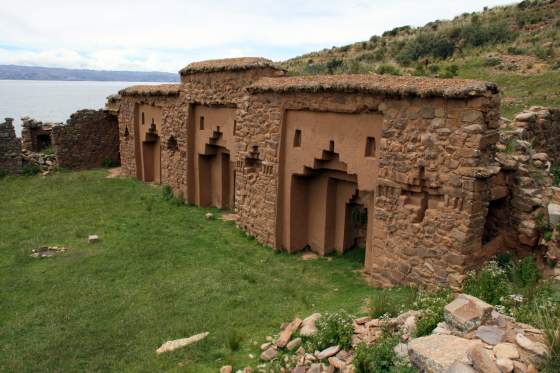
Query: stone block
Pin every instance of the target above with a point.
(437, 353)
(466, 312)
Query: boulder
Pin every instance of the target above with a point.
(315, 368)
(286, 334)
(554, 213)
(437, 353)
(506, 351)
(337, 363)
(294, 344)
(482, 360)
(466, 312)
(458, 367)
(529, 345)
(328, 352)
(505, 365)
(401, 350)
(490, 334)
(269, 354)
(308, 327)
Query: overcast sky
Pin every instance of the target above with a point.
(165, 35)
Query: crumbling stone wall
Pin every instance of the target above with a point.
(36, 135)
(87, 140)
(541, 127)
(527, 148)
(10, 148)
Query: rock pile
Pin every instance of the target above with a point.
(473, 338)
(44, 163)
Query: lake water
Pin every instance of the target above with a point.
(52, 101)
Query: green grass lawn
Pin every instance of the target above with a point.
(161, 271)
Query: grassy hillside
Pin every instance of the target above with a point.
(516, 46)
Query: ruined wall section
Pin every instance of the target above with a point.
(89, 139)
(10, 148)
(541, 127)
(36, 135)
(173, 131)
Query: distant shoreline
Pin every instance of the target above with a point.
(39, 73)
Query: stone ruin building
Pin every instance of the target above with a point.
(422, 172)
(88, 139)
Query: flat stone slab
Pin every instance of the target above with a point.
(466, 312)
(437, 353)
(490, 334)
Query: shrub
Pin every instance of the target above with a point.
(432, 304)
(31, 169)
(3, 173)
(380, 357)
(492, 61)
(334, 64)
(382, 304)
(387, 69)
(48, 150)
(450, 71)
(525, 273)
(555, 171)
(489, 284)
(233, 340)
(476, 34)
(436, 45)
(515, 51)
(549, 318)
(333, 329)
(108, 163)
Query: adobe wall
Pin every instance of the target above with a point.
(87, 140)
(436, 150)
(10, 148)
(164, 104)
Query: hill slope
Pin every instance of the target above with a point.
(516, 46)
(16, 72)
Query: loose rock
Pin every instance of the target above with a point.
(482, 361)
(328, 352)
(178, 343)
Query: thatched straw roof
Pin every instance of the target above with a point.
(227, 64)
(151, 90)
(376, 84)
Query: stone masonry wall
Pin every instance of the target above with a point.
(540, 126)
(173, 159)
(225, 88)
(10, 148)
(87, 140)
(445, 143)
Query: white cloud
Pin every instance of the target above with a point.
(167, 34)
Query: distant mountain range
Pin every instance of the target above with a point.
(16, 72)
